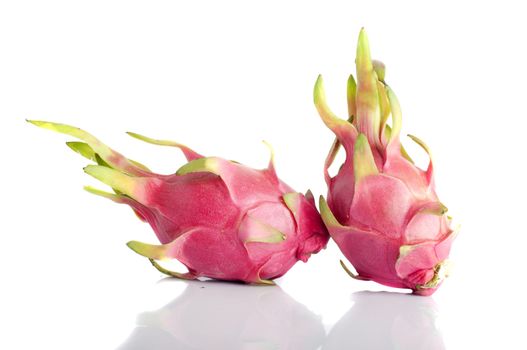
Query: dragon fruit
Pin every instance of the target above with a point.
(219, 218)
(382, 210)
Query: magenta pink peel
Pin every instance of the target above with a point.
(219, 218)
(382, 210)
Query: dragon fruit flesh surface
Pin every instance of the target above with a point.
(382, 210)
(219, 218)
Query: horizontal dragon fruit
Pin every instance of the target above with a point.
(382, 210)
(219, 218)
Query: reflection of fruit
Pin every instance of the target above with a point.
(215, 315)
(382, 210)
(387, 321)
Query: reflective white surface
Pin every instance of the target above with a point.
(216, 315)
(381, 320)
(98, 305)
(220, 76)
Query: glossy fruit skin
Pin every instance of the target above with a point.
(381, 209)
(220, 218)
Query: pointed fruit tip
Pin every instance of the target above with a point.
(134, 135)
(112, 196)
(362, 32)
(271, 150)
(134, 245)
(352, 97)
(141, 137)
(93, 190)
(96, 191)
(420, 142)
(50, 125)
(352, 85)
(363, 44)
(88, 169)
(318, 91)
(147, 250)
(35, 122)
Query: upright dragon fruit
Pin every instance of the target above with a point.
(381, 209)
(219, 218)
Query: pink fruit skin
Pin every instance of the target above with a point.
(382, 210)
(217, 225)
(219, 218)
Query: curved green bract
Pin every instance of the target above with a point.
(351, 95)
(130, 186)
(327, 215)
(101, 193)
(368, 111)
(151, 251)
(83, 149)
(188, 152)
(395, 107)
(209, 165)
(110, 157)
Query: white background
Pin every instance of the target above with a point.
(220, 76)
